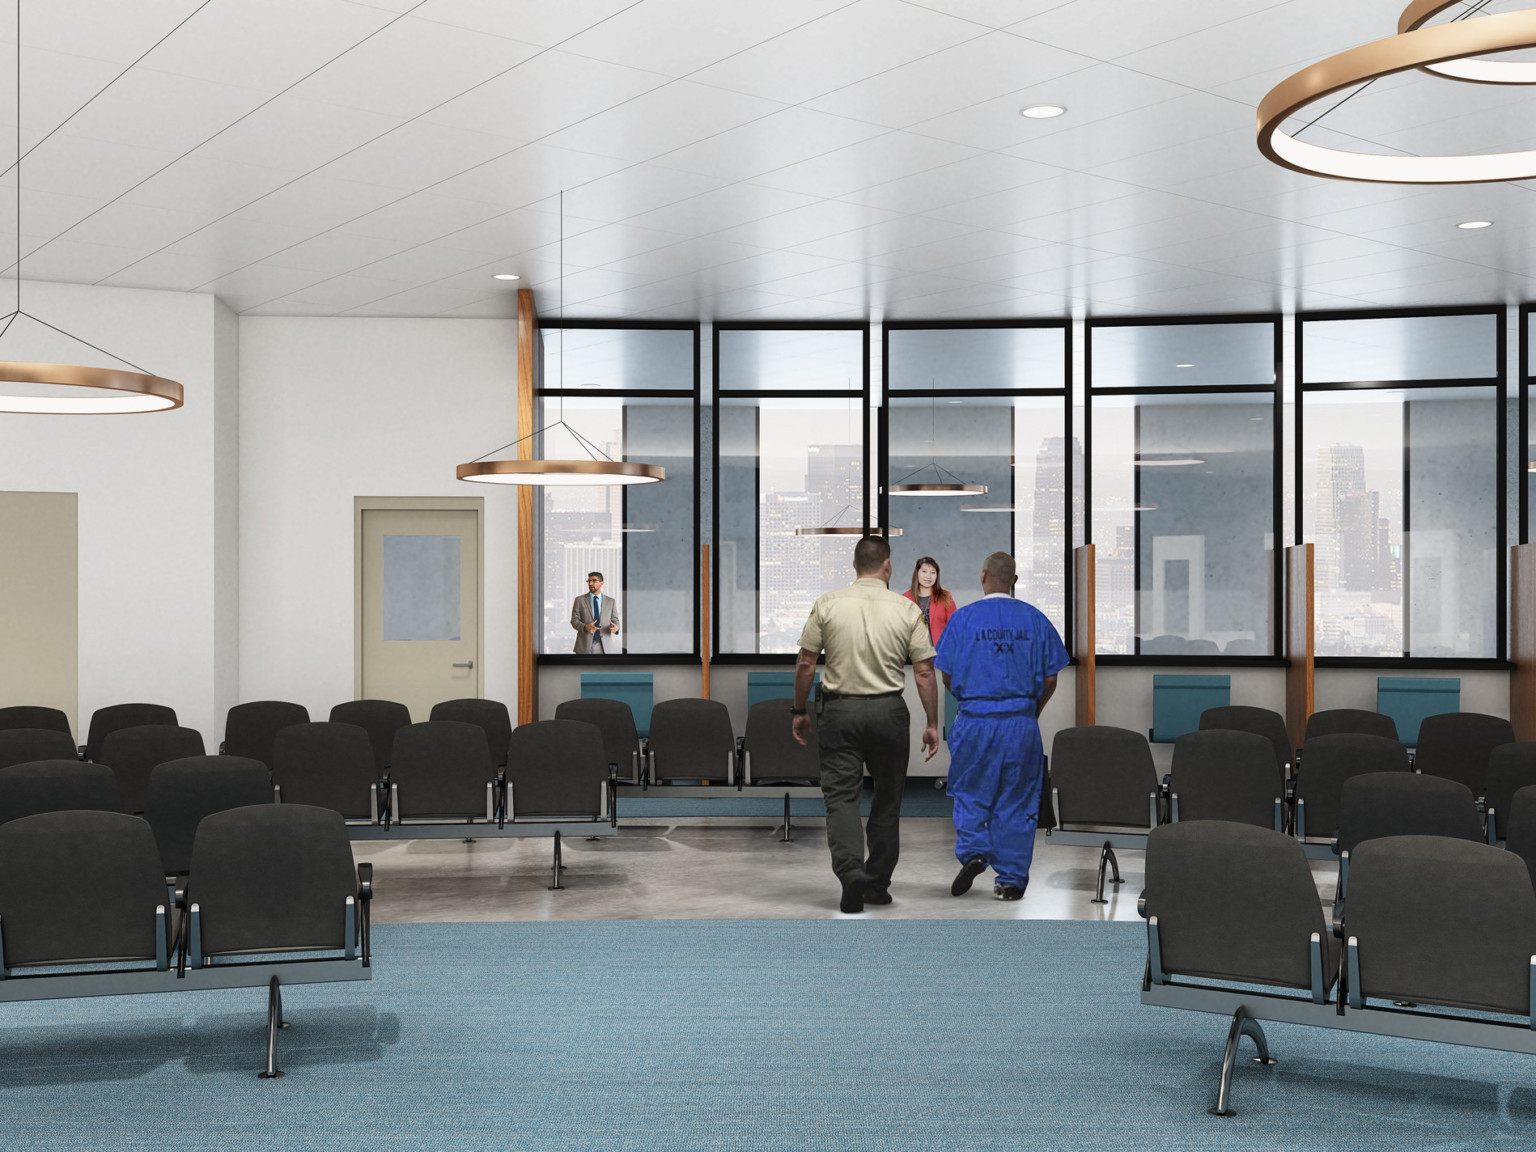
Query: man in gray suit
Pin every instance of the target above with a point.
(594, 616)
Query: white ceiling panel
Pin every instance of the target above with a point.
(633, 191)
(876, 161)
(533, 21)
(661, 120)
(722, 208)
(297, 134)
(773, 142)
(1109, 29)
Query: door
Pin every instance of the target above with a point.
(420, 606)
(39, 604)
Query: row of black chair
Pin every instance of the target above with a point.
(86, 889)
(1430, 921)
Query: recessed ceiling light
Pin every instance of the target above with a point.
(1470, 224)
(957, 401)
(505, 276)
(1183, 365)
(1042, 111)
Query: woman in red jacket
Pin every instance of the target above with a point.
(931, 596)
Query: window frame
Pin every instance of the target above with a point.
(1277, 480)
(1497, 383)
(541, 393)
(771, 659)
(1523, 423)
(1063, 392)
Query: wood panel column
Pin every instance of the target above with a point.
(1085, 632)
(704, 586)
(530, 375)
(1299, 641)
(1522, 640)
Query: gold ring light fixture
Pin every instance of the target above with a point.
(1449, 50)
(32, 388)
(598, 470)
(944, 482)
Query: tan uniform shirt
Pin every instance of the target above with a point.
(869, 634)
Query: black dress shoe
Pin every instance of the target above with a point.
(877, 896)
(971, 869)
(1007, 892)
(853, 893)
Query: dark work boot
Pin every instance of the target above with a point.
(973, 867)
(853, 892)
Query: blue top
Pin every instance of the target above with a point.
(998, 653)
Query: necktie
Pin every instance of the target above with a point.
(596, 610)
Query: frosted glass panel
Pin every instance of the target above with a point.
(1400, 348)
(421, 587)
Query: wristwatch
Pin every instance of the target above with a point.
(793, 711)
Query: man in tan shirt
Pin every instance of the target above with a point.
(869, 634)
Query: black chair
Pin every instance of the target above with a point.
(82, 888)
(133, 752)
(24, 745)
(691, 740)
(57, 786)
(381, 719)
(1165, 646)
(1103, 776)
(1381, 804)
(770, 752)
(1260, 721)
(249, 729)
(616, 721)
(1349, 721)
(328, 765)
(114, 717)
(1511, 767)
(442, 769)
(34, 716)
(557, 770)
(182, 792)
(491, 715)
(1520, 837)
(1329, 762)
(1456, 745)
(1222, 774)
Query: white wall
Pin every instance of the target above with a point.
(153, 626)
(336, 408)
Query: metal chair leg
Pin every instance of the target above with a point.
(786, 828)
(1242, 1025)
(555, 868)
(1106, 857)
(274, 1022)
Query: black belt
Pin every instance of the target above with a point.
(826, 695)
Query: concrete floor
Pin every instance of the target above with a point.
(705, 868)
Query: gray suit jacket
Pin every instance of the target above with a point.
(581, 616)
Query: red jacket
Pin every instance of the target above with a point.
(939, 612)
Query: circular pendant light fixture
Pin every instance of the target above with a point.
(33, 388)
(599, 470)
(1421, 12)
(1432, 47)
(944, 482)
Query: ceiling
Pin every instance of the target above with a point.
(737, 159)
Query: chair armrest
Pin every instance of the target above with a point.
(1141, 904)
(365, 881)
(1336, 919)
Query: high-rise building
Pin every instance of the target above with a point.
(1048, 583)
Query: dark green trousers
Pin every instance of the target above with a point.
(855, 733)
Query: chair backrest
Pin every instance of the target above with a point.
(250, 728)
(1456, 745)
(1263, 722)
(327, 764)
(34, 716)
(78, 887)
(491, 715)
(1234, 902)
(57, 786)
(614, 719)
(105, 721)
(691, 739)
(182, 792)
(1442, 922)
(1103, 775)
(272, 878)
(1521, 828)
(557, 768)
(133, 752)
(1381, 804)
(440, 768)
(1511, 767)
(381, 719)
(1331, 760)
(776, 754)
(1342, 721)
(1222, 774)
(24, 745)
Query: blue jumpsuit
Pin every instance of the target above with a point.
(998, 653)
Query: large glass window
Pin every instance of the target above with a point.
(981, 406)
(629, 392)
(1184, 490)
(1399, 481)
(790, 421)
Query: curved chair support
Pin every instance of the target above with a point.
(1242, 1025)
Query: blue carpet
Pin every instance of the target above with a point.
(885, 1036)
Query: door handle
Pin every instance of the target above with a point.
(470, 664)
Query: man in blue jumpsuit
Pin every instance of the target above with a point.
(999, 657)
